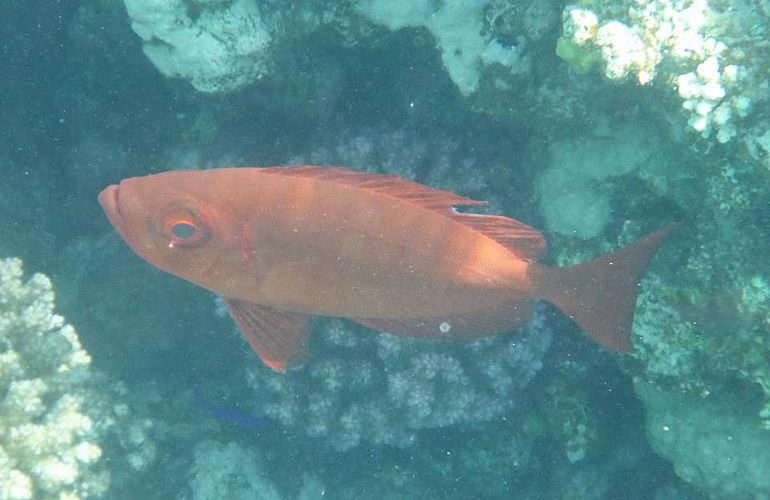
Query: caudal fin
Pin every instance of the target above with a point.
(600, 295)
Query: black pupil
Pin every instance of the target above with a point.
(183, 230)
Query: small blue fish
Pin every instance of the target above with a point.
(229, 415)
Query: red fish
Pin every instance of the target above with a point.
(280, 244)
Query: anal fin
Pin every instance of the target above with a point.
(278, 337)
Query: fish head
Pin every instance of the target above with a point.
(177, 222)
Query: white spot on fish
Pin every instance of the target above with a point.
(444, 327)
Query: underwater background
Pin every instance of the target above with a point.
(596, 122)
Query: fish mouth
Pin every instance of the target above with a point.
(109, 200)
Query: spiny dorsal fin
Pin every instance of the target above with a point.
(427, 197)
(525, 241)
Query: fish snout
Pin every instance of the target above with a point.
(123, 210)
(108, 199)
(119, 215)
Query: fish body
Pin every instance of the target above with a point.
(282, 243)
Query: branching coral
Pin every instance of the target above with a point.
(714, 59)
(48, 443)
(55, 411)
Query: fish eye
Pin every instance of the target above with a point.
(185, 230)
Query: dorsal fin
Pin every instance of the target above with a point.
(521, 239)
(427, 197)
(525, 241)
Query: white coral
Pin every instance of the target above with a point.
(695, 48)
(223, 48)
(49, 445)
(458, 28)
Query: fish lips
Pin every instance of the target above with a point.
(109, 199)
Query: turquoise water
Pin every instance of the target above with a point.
(171, 403)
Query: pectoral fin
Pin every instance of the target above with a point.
(278, 337)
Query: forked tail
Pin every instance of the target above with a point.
(600, 295)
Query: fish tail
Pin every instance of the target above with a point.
(600, 295)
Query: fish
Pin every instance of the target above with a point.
(228, 414)
(282, 244)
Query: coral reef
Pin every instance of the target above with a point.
(572, 198)
(701, 323)
(471, 35)
(721, 451)
(218, 46)
(229, 471)
(49, 445)
(709, 51)
(363, 386)
(682, 352)
(68, 431)
(654, 112)
(53, 418)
